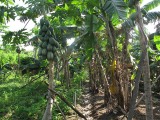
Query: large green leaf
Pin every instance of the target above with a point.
(151, 5)
(9, 2)
(86, 41)
(117, 7)
(2, 11)
(157, 41)
(7, 13)
(152, 16)
(15, 38)
(130, 22)
(36, 8)
(148, 17)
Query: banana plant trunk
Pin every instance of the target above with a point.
(146, 68)
(48, 112)
(67, 73)
(92, 74)
(107, 92)
(35, 52)
(125, 72)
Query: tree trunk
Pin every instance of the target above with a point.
(146, 68)
(48, 112)
(125, 74)
(35, 52)
(136, 87)
(66, 72)
(90, 74)
(101, 80)
(107, 93)
(66, 77)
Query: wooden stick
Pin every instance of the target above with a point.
(69, 104)
(60, 110)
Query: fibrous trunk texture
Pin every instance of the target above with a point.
(146, 68)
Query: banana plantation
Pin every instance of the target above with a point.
(91, 60)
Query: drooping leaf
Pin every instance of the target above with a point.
(130, 22)
(152, 16)
(151, 5)
(117, 7)
(148, 17)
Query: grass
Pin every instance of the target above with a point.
(29, 102)
(18, 103)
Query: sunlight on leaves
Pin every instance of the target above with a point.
(157, 41)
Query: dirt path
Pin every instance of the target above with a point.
(86, 106)
(92, 106)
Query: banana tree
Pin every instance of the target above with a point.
(144, 41)
(112, 13)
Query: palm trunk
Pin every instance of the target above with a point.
(48, 112)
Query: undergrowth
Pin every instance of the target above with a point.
(29, 102)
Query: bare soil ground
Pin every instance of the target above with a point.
(140, 110)
(92, 106)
